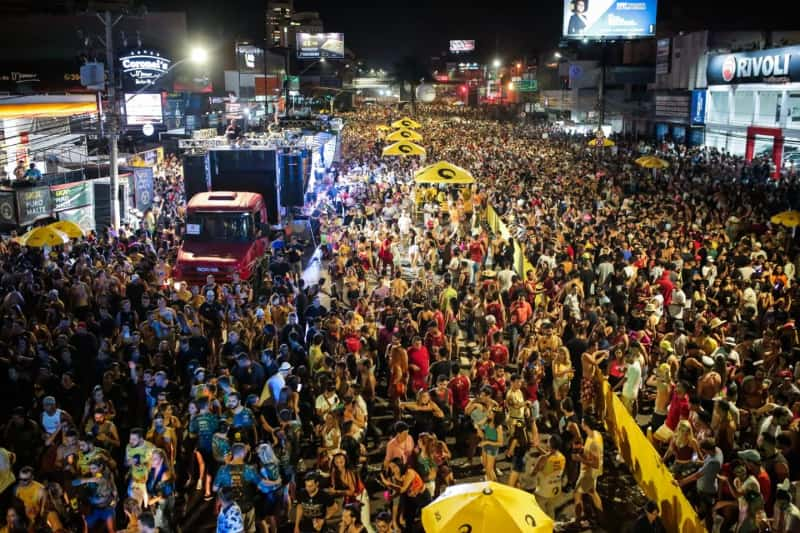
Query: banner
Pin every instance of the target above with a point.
(7, 208)
(774, 65)
(34, 204)
(71, 195)
(651, 474)
(82, 216)
(148, 158)
(143, 188)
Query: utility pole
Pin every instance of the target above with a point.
(602, 89)
(113, 118)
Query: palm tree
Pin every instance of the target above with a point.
(410, 70)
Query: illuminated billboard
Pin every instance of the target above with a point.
(319, 45)
(461, 46)
(602, 19)
(144, 108)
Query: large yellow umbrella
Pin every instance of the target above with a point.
(69, 227)
(484, 507)
(404, 134)
(44, 236)
(403, 148)
(606, 142)
(443, 172)
(790, 219)
(651, 161)
(406, 122)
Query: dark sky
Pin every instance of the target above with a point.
(380, 32)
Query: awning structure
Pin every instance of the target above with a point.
(44, 106)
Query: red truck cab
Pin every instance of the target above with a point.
(225, 233)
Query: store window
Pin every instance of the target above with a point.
(793, 113)
(719, 107)
(743, 107)
(769, 108)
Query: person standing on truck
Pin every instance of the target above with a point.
(233, 131)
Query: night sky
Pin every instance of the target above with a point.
(380, 32)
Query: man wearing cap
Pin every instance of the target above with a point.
(249, 375)
(710, 383)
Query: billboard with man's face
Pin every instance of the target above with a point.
(604, 19)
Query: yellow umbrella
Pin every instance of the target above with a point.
(651, 161)
(404, 148)
(790, 219)
(69, 227)
(383, 127)
(485, 506)
(44, 236)
(443, 172)
(406, 122)
(404, 134)
(606, 142)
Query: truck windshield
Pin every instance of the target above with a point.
(218, 226)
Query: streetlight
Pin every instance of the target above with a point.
(557, 55)
(198, 55)
(496, 63)
(519, 66)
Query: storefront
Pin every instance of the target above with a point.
(753, 104)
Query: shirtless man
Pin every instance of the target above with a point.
(590, 362)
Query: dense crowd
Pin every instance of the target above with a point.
(348, 404)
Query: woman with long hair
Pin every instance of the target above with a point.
(410, 488)
(425, 462)
(518, 447)
(346, 484)
(684, 447)
(161, 490)
(270, 499)
(491, 441)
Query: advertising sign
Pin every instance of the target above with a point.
(600, 19)
(71, 195)
(7, 214)
(33, 204)
(775, 65)
(461, 46)
(698, 108)
(141, 68)
(250, 59)
(318, 45)
(143, 108)
(142, 182)
(82, 216)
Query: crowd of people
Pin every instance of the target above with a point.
(129, 400)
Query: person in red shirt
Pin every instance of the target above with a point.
(495, 308)
(459, 386)
(419, 361)
(666, 286)
(476, 250)
(498, 352)
(497, 382)
(483, 367)
(678, 408)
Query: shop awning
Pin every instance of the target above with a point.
(47, 106)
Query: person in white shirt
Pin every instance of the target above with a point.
(677, 306)
(631, 382)
(404, 225)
